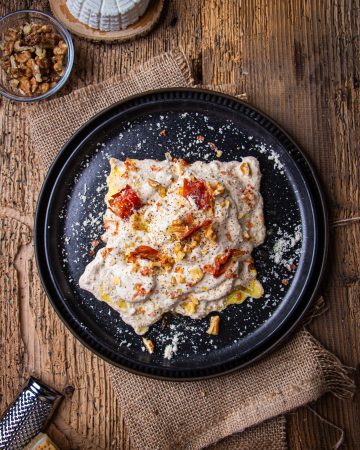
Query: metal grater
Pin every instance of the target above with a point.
(27, 415)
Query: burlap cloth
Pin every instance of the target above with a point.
(193, 415)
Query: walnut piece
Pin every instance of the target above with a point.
(33, 58)
(157, 186)
(245, 168)
(24, 86)
(149, 345)
(214, 325)
(196, 274)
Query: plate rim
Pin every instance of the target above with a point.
(322, 216)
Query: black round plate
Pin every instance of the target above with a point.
(290, 263)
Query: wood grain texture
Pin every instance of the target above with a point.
(298, 61)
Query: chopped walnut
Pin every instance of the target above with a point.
(245, 168)
(210, 233)
(217, 188)
(157, 186)
(139, 223)
(22, 57)
(180, 278)
(214, 325)
(14, 83)
(33, 84)
(225, 204)
(61, 49)
(26, 29)
(10, 35)
(149, 345)
(196, 274)
(178, 252)
(246, 234)
(215, 149)
(21, 48)
(59, 68)
(33, 58)
(24, 86)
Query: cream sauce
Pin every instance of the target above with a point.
(140, 290)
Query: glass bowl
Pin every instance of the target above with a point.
(20, 18)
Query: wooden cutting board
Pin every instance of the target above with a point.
(140, 28)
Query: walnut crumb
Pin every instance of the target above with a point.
(213, 147)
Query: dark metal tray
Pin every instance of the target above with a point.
(71, 203)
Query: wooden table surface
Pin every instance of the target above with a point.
(297, 60)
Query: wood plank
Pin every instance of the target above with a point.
(89, 418)
(13, 236)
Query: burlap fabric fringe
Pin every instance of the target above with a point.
(167, 415)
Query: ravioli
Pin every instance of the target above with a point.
(178, 238)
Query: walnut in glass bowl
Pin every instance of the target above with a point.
(33, 58)
(36, 55)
